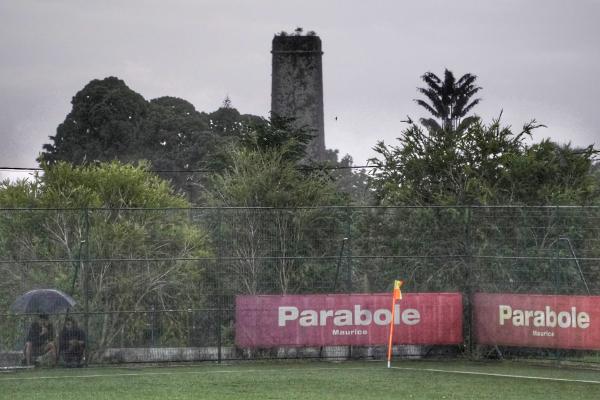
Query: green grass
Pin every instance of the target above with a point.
(304, 380)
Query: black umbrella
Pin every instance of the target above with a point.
(42, 301)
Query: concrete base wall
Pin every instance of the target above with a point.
(10, 358)
(186, 354)
(163, 354)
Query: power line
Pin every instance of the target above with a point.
(330, 258)
(20, 169)
(210, 170)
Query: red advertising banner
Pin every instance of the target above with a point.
(526, 320)
(347, 319)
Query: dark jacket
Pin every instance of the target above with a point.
(66, 335)
(36, 337)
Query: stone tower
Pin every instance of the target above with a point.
(297, 86)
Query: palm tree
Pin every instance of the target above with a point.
(450, 101)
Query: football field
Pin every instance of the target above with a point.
(306, 380)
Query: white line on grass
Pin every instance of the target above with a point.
(320, 369)
(541, 378)
(27, 378)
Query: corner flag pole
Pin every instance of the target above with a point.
(397, 295)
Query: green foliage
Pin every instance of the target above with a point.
(174, 137)
(109, 121)
(101, 126)
(484, 164)
(547, 173)
(104, 185)
(479, 165)
(266, 178)
(350, 182)
(228, 122)
(278, 133)
(426, 239)
(262, 172)
(103, 218)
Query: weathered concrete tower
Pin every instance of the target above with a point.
(297, 86)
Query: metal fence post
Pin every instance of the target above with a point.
(348, 238)
(219, 283)
(557, 290)
(468, 288)
(557, 256)
(85, 273)
(153, 325)
(188, 325)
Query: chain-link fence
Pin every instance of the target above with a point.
(162, 285)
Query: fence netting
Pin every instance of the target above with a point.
(228, 283)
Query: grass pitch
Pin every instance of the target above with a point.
(306, 380)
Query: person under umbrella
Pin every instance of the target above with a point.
(72, 343)
(39, 344)
(40, 347)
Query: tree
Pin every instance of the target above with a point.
(277, 133)
(480, 165)
(226, 126)
(266, 179)
(461, 160)
(449, 101)
(109, 121)
(485, 164)
(263, 172)
(175, 138)
(352, 183)
(103, 124)
(126, 258)
(553, 174)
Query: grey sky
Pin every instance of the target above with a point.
(534, 59)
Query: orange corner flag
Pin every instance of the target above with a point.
(397, 292)
(397, 295)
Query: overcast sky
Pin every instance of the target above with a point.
(534, 59)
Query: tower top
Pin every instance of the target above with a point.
(296, 44)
